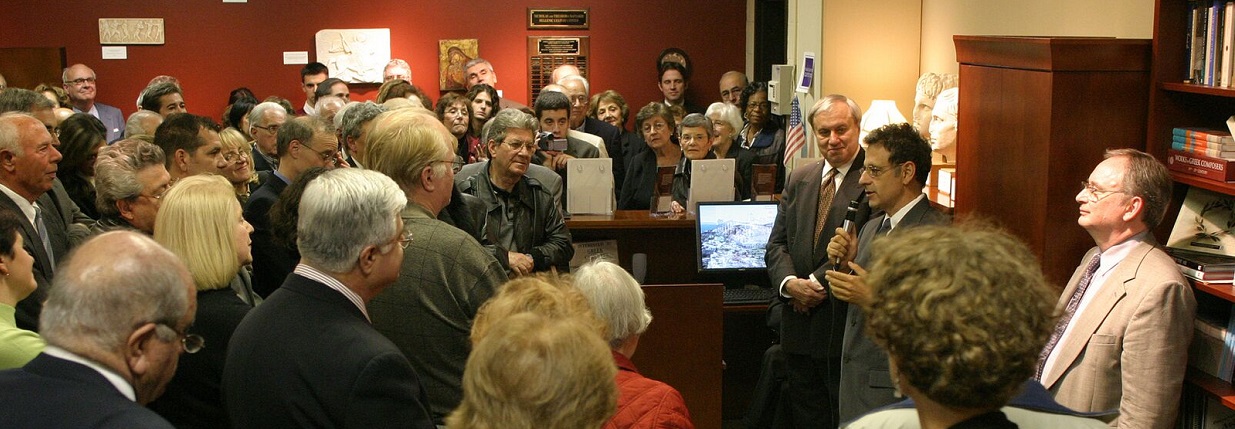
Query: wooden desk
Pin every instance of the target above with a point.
(668, 242)
(682, 346)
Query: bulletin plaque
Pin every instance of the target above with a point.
(547, 53)
(557, 19)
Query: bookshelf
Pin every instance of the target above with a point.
(1174, 103)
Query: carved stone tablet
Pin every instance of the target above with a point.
(130, 31)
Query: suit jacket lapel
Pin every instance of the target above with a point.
(1096, 311)
(29, 236)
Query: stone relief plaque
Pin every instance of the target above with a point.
(130, 31)
(355, 55)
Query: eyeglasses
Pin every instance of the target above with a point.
(54, 131)
(518, 147)
(273, 128)
(874, 172)
(235, 156)
(190, 343)
(1093, 192)
(455, 164)
(79, 81)
(158, 195)
(659, 126)
(762, 105)
(326, 155)
(578, 99)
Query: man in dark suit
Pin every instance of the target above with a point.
(115, 326)
(27, 173)
(309, 354)
(303, 143)
(578, 90)
(264, 122)
(810, 209)
(79, 83)
(898, 161)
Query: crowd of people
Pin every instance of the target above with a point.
(404, 263)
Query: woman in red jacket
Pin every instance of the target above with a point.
(616, 298)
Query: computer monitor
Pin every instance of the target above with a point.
(731, 237)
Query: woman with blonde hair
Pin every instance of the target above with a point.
(239, 170)
(200, 221)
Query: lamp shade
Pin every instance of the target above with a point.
(880, 113)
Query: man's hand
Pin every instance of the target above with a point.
(520, 263)
(559, 161)
(677, 208)
(850, 288)
(805, 293)
(842, 246)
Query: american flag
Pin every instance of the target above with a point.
(796, 137)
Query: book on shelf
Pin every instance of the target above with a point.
(1228, 21)
(1210, 351)
(1196, 46)
(1203, 148)
(1201, 261)
(1223, 277)
(1196, 164)
(1204, 134)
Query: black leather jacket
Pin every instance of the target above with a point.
(543, 235)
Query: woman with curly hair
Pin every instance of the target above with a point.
(963, 313)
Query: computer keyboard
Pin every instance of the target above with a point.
(748, 296)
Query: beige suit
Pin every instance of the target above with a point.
(1129, 348)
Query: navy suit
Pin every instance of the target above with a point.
(57, 230)
(50, 392)
(307, 357)
(865, 383)
(272, 261)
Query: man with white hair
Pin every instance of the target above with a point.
(578, 90)
(309, 353)
(142, 122)
(115, 324)
(79, 83)
(264, 122)
(397, 69)
(446, 272)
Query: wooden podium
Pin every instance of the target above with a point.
(1035, 115)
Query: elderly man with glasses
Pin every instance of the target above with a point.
(115, 328)
(79, 83)
(523, 216)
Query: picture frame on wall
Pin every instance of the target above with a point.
(452, 55)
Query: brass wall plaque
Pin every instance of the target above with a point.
(546, 53)
(554, 19)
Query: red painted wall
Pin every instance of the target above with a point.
(214, 47)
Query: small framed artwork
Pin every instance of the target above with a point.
(453, 54)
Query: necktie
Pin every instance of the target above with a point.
(1068, 312)
(884, 227)
(827, 191)
(42, 229)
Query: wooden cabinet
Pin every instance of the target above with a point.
(1035, 115)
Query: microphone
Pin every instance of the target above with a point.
(851, 216)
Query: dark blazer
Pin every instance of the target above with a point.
(57, 230)
(50, 392)
(259, 161)
(307, 357)
(640, 179)
(272, 261)
(193, 398)
(865, 383)
(790, 253)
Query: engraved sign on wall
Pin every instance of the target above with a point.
(556, 19)
(354, 55)
(130, 31)
(547, 53)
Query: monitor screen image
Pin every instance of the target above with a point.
(733, 236)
